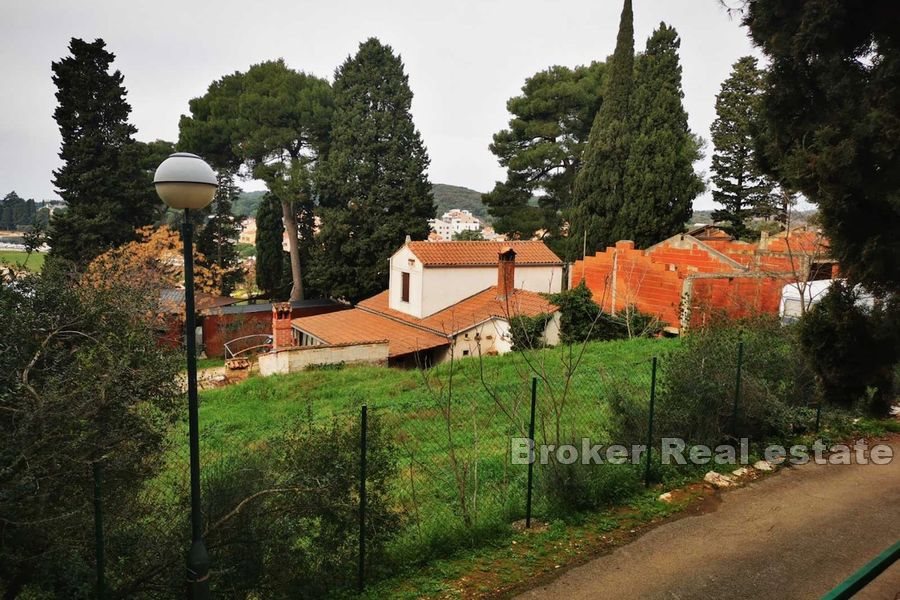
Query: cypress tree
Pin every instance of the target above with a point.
(217, 240)
(660, 182)
(270, 260)
(372, 187)
(599, 191)
(108, 194)
(741, 188)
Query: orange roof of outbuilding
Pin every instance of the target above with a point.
(482, 253)
(356, 326)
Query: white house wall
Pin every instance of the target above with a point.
(492, 337)
(405, 261)
(446, 286)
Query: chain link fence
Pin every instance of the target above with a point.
(343, 497)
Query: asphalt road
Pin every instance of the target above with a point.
(793, 535)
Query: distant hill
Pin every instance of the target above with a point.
(454, 196)
(247, 203)
(445, 197)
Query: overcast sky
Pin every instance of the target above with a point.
(464, 59)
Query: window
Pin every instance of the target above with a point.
(404, 287)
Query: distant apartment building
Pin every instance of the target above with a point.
(453, 222)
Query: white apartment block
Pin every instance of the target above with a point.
(455, 221)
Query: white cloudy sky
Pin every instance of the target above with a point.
(464, 58)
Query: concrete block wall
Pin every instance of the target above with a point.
(292, 360)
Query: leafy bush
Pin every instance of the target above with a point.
(528, 332)
(698, 381)
(285, 518)
(83, 380)
(577, 487)
(852, 348)
(582, 319)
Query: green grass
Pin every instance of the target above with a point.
(261, 407)
(489, 405)
(210, 363)
(17, 257)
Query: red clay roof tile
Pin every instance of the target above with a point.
(481, 253)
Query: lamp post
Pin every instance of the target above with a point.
(185, 181)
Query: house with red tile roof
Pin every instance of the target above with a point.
(446, 300)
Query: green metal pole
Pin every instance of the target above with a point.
(98, 530)
(531, 455)
(856, 582)
(650, 423)
(198, 557)
(363, 423)
(737, 389)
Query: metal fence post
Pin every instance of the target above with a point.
(650, 423)
(531, 454)
(98, 530)
(363, 426)
(737, 389)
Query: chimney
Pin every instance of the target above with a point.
(282, 332)
(506, 272)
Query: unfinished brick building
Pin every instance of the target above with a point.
(685, 279)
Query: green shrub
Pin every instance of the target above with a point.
(582, 319)
(853, 349)
(696, 391)
(283, 517)
(528, 332)
(574, 488)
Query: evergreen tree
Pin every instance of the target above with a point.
(16, 212)
(373, 187)
(107, 193)
(832, 122)
(599, 190)
(269, 253)
(217, 240)
(741, 188)
(274, 121)
(660, 183)
(542, 149)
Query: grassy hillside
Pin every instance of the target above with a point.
(454, 196)
(327, 391)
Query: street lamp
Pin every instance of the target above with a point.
(185, 181)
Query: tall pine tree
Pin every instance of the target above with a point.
(217, 240)
(274, 121)
(599, 190)
(373, 188)
(660, 183)
(108, 194)
(542, 149)
(270, 260)
(741, 188)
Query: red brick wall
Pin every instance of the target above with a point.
(735, 297)
(649, 285)
(220, 328)
(653, 280)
